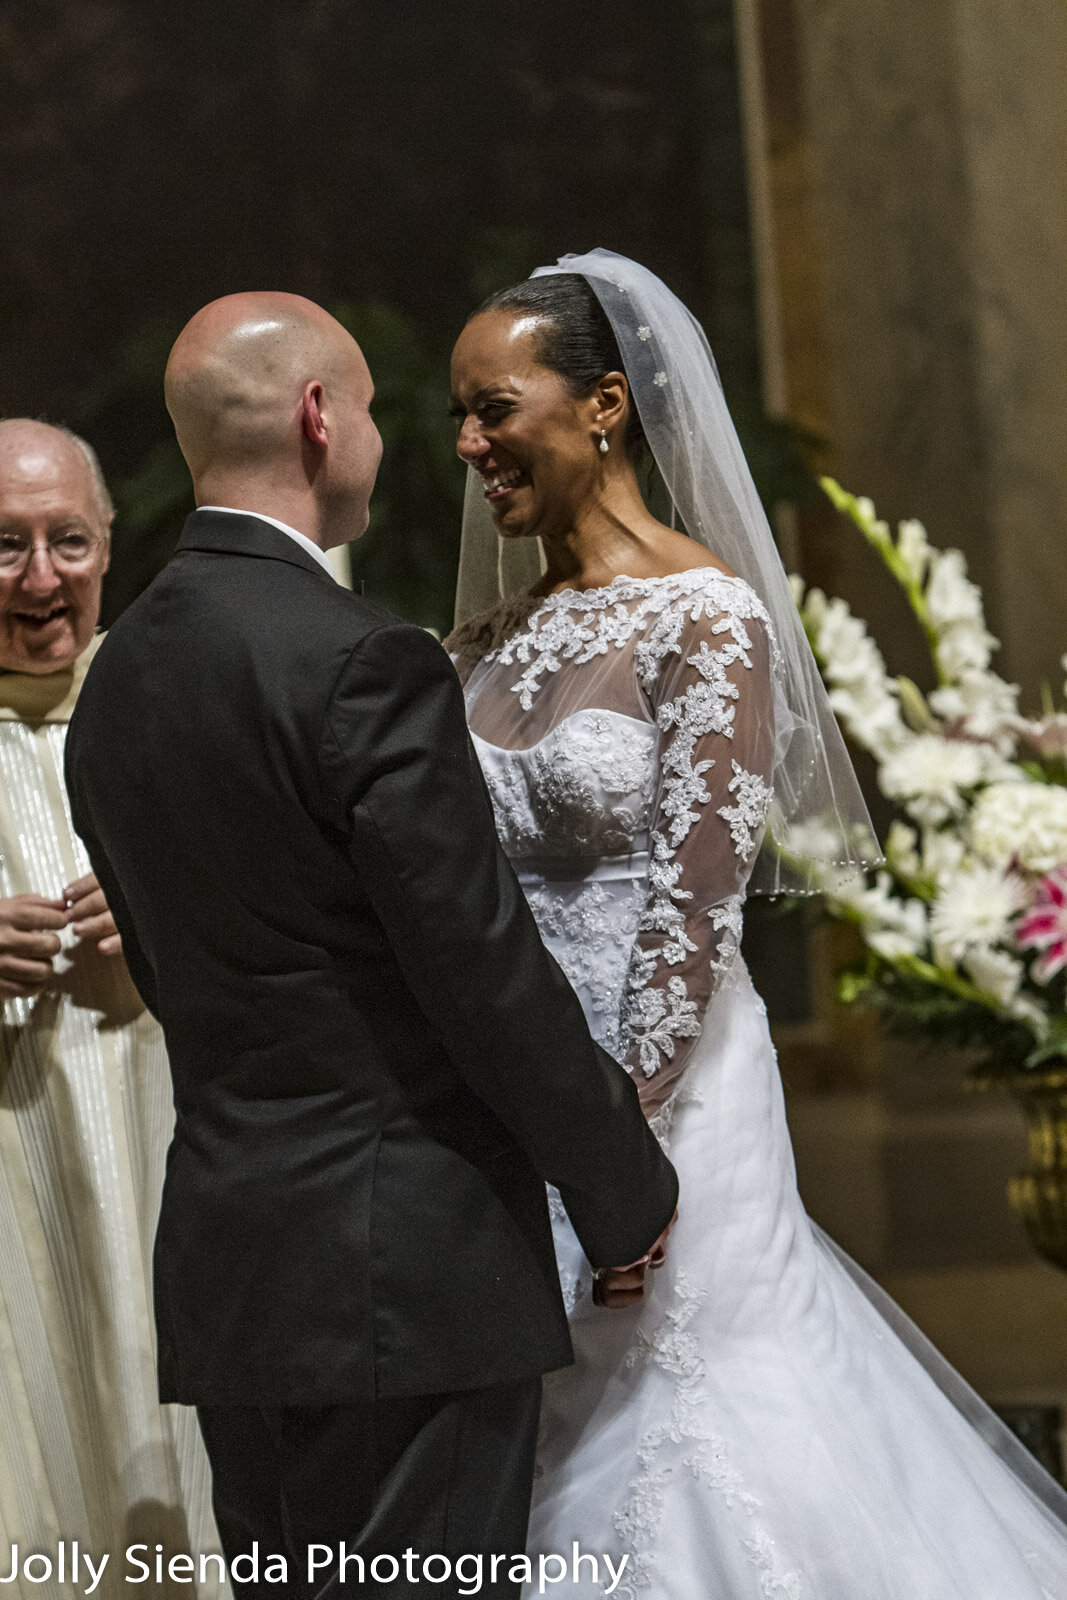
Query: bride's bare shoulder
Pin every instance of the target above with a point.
(672, 552)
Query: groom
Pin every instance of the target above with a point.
(376, 1064)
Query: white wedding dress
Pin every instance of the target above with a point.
(765, 1423)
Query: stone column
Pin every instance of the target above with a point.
(938, 138)
(907, 179)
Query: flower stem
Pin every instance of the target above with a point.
(878, 536)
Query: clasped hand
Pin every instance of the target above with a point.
(622, 1286)
(30, 927)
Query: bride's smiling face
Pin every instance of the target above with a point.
(533, 441)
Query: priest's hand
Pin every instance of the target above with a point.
(29, 938)
(89, 916)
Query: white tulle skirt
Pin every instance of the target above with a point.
(766, 1423)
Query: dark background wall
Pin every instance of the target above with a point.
(396, 161)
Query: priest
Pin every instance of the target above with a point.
(86, 1451)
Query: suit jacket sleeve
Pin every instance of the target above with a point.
(137, 962)
(400, 765)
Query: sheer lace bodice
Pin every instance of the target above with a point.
(626, 735)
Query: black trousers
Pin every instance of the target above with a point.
(330, 1488)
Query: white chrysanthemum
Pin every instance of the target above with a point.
(973, 908)
(1023, 820)
(995, 971)
(927, 774)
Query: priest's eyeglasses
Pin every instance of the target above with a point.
(73, 552)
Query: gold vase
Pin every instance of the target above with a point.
(1039, 1196)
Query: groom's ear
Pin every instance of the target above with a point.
(312, 421)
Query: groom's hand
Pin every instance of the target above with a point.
(622, 1286)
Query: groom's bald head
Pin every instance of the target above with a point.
(269, 387)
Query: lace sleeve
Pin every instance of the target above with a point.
(474, 638)
(709, 680)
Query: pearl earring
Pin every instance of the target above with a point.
(604, 445)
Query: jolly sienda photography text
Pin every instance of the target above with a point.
(70, 1564)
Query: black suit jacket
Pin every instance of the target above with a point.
(376, 1063)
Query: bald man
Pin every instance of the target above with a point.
(86, 1451)
(377, 1066)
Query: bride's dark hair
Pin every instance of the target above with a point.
(574, 337)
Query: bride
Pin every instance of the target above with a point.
(764, 1422)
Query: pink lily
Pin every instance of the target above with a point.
(1044, 927)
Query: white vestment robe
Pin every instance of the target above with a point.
(87, 1453)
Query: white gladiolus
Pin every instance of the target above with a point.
(942, 855)
(861, 691)
(814, 840)
(1030, 1011)
(974, 907)
(872, 719)
(892, 943)
(914, 548)
(984, 703)
(900, 850)
(891, 926)
(1047, 737)
(995, 971)
(875, 527)
(1024, 821)
(933, 858)
(963, 648)
(951, 597)
(960, 762)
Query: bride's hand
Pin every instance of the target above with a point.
(622, 1286)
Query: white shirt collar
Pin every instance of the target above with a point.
(301, 538)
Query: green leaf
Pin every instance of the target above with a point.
(1053, 1044)
(914, 709)
(853, 986)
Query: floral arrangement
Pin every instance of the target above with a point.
(965, 927)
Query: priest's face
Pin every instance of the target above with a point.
(53, 549)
